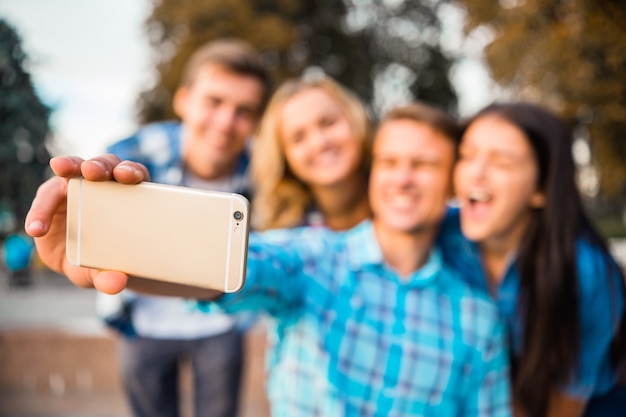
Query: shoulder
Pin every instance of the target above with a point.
(149, 141)
(313, 239)
(450, 240)
(458, 252)
(476, 312)
(594, 267)
(451, 224)
(459, 290)
(599, 282)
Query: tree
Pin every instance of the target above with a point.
(351, 42)
(571, 56)
(23, 131)
(405, 42)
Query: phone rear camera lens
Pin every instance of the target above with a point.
(238, 215)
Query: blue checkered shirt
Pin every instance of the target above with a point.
(355, 339)
(158, 147)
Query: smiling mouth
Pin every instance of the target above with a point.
(478, 197)
(326, 159)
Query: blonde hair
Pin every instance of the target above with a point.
(281, 199)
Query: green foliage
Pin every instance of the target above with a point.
(570, 56)
(354, 42)
(23, 131)
(610, 226)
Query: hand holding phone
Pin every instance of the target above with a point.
(165, 237)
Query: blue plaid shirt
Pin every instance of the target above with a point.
(158, 147)
(355, 339)
(599, 307)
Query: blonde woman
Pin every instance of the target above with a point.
(311, 157)
(310, 166)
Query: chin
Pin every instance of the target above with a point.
(474, 234)
(407, 226)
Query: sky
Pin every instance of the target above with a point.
(90, 59)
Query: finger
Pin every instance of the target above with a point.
(129, 172)
(49, 196)
(110, 282)
(66, 166)
(99, 168)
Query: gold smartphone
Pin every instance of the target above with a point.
(160, 234)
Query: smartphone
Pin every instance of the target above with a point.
(159, 234)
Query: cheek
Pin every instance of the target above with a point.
(438, 181)
(295, 156)
(517, 190)
(458, 177)
(193, 118)
(354, 155)
(245, 128)
(376, 181)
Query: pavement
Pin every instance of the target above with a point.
(58, 360)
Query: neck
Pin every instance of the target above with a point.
(343, 206)
(496, 254)
(208, 176)
(497, 250)
(207, 172)
(405, 252)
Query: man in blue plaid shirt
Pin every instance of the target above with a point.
(220, 98)
(370, 321)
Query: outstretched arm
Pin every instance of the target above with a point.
(46, 219)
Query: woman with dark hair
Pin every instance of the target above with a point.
(528, 241)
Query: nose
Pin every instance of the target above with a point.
(224, 119)
(403, 175)
(477, 168)
(320, 139)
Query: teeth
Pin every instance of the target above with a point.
(327, 158)
(402, 201)
(479, 196)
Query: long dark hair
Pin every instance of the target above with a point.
(549, 294)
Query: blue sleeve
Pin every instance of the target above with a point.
(126, 148)
(155, 145)
(600, 307)
(489, 392)
(276, 280)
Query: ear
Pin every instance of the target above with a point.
(180, 101)
(537, 200)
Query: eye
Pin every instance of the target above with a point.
(465, 154)
(246, 112)
(502, 161)
(328, 121)
(424, 163)
(382, 162)
(295, 138)
(213, 102)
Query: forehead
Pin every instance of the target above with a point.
(307, 104)
(313, 99)
(217, 80)
(495, 133)
(406, 138)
